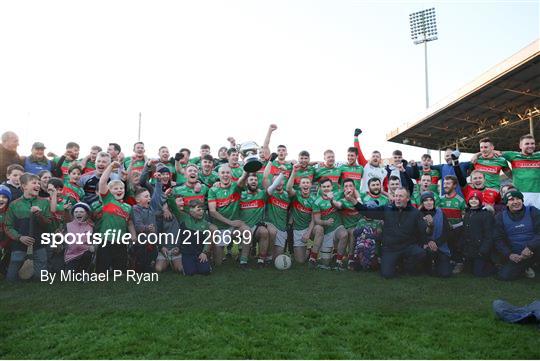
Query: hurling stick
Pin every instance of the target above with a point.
(27, 269)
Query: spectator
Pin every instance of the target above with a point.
(8, 153)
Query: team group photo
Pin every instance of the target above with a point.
(279, 180)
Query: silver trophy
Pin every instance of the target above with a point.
(249, 151)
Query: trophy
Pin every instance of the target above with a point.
(251, 159)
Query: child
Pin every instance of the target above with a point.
(5, 242)
(78, 256)
(72, 192)
(26, 220)
(116, 218)
(194, 252)
(438, 254)
(478, 224)
(144, 219)
(14, 173)
(44, 178)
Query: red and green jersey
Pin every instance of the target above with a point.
(331, 173)
(377, 200)
(327, 211)
(236, 172)
(277, 209)
(308, 172)
(195, 160)
(301, 211)
(115, 216)
(417, 194)
(435, 176)
(452, 207)
(208, 180)
(491, 168)
(227, 201)
(252, 207)
(188, 194)
(260, 173)
(349, 215)
(90, 167)
(17, 220)
(65, 166)
(490, 196)
(353, 172)
(180, 177)
(275, 170)
(138, 165)
(72, 192)
(525, 171)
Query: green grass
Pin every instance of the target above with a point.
(266, 313)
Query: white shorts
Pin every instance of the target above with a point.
(531, 199)
(161, 257)
(328, 240)
(281, 236)
(297, 236)
(218, 236)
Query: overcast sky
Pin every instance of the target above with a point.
(200, 71)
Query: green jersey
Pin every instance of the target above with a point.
(491, 168)
(276, 168)
(236, 173)
(435, 176)
(180, 176)
(301, 211)
(415, 198)
(227, 201)
(252, 207)
(208, 180)
(188, 194)
(452, 207)
(17, 221)
(525, 171)
(90, 167)
(72, 192)
(331, 173)
(349, 215)
(327, 211)
(278, 205)
(115, 216)
(65, 166)
(308, 172)
(377, 200)
(137, 165)
(195, 160)
(353, 172)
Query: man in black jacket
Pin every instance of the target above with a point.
(404, 232)
(517, 236)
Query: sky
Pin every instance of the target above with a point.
(200, 71)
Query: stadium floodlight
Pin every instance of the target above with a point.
(423, 30)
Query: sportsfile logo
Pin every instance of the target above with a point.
(181, 237)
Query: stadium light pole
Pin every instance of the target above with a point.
(423, 30)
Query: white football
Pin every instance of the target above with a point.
(283, 262)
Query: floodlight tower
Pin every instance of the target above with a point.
(424, 30)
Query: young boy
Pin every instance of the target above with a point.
(72, 192)
(116, 217)
(26, 220)
(144, 219)
(14, 173)
(194, 252)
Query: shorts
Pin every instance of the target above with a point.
(218, 238)
(328, 240)
(161, 257)
(281, 236)
(297, 236)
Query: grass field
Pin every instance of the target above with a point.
(267, 314)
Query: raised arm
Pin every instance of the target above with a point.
(361, 159)
(102, 186)
(290, 183)
(271, 128)
(266, 174)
